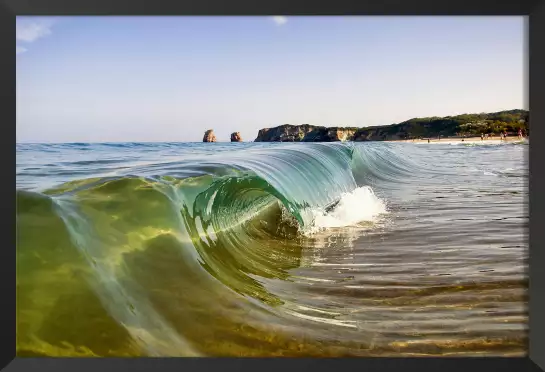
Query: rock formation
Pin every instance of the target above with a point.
(304, 133)
(209, 136)
(236, 137)
(285, 133)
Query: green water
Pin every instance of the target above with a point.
(369, 249)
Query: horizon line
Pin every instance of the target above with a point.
(227, 141)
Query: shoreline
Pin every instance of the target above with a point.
(465, 140)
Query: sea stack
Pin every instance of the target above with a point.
(236, 137)
(209, 136)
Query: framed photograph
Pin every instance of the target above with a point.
(252, 185)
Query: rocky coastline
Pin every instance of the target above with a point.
(433, 127)
(460, 126)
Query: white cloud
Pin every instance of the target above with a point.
(29, 30)
(19, 50)
(279, 20)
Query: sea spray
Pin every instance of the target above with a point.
(360, 205)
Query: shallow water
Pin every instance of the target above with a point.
(272, 249)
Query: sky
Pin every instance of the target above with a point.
(131, 79)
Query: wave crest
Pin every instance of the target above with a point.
(179, 237)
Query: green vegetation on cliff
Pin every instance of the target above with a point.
(461, 125)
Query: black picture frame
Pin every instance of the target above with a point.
(534, 9)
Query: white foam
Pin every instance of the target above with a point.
(360, 205)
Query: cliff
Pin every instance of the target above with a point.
(284, 133)
(304, 133)
(467, 124)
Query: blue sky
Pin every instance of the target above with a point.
(102, 79)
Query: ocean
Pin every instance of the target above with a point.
(272, 249)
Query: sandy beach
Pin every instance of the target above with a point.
(465, 140)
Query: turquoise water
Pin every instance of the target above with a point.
(272, 249)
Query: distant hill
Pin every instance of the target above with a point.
(450, 126)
